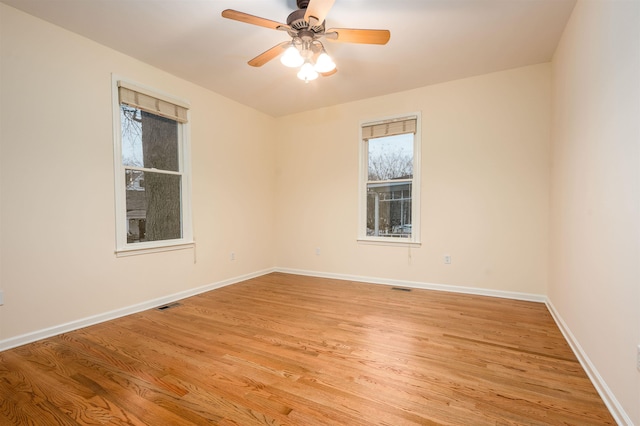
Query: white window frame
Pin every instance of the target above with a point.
(415, 184)
(123, 248)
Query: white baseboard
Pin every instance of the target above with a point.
(426, 286)
(117, 313)
(150, 304)
(616, 410)
(128, 310)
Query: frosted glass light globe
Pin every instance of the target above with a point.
(291, 58)
(324, 63)
(307, 73)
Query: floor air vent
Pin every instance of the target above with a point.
(169, 306)
(400, 289)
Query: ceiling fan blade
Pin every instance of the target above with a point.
(265, 57)
(329, 73)
(253, 20)
(350, 35)
(318, 9)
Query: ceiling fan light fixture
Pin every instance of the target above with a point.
(324, 63)
(291, 57)
(307, 73)
(306, 26)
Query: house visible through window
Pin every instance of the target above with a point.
(389, 158)
(152, 196)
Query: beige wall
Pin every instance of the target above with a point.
(485, 177)
(595, 197)
(56, 183)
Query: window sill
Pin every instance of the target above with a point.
(397, 242)
(135, 251)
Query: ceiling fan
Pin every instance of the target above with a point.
(306, 26)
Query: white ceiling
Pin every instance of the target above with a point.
(432, 41)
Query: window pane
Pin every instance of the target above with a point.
(389, 209)
(148, 140)
(390, 157)
(153, 206)
(131, 136)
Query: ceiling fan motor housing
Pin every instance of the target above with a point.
(296, 21)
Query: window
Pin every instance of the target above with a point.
(152, 170)
(389, 180)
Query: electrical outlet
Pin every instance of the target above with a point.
(638, 359)
(1, 297)
(232, 256)
(447, 259)
(317, 251)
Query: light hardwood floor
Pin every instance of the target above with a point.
(286, 349)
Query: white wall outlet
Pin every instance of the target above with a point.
(638, 359)
(447, 259)
(317, 251)
(1, 297)
(232, 256)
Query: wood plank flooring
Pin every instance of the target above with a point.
(285, 349)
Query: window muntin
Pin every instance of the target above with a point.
(389, 170)
(151, 147)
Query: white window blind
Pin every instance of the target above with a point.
(389, 128)
(137, 98)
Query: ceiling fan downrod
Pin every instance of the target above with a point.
(302, 4)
